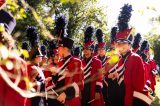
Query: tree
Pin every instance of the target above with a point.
(41, 13)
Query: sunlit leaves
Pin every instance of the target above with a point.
(18, 11)
(49, 21)
(156, 102)
(71, 1)
(2, 29)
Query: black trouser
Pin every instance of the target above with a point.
(121, 94)
(53, 102)
(86, 95)
(37, 101)
(138, 102)
(113, 93)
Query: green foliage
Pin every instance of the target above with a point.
(155, 102)
(41, 13)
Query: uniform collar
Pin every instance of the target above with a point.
(87, 59)
(124, 56)
(101, 58)
(66, 58)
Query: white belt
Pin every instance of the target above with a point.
(142, 97)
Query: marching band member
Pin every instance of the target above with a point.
(18, 70)
(101, 55)
(111, 87)
(92, 92)
(136, 43)
(68, 79)
(131, 72)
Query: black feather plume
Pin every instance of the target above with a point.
(32, 35)
(130, 38)
(25, 46)
(43, 50)
(137, 40)
(99, 35)
(51, 47)
(88, 34)
(60, 29)
(124, 17)
(77, 51)
(144, 46)
(113, 34)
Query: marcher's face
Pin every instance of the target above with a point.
(44, 60)
(38, 59)
(60, 51)
(87, 52)
(101, 51)
(148, 55)
(123, 48)
(56, 59)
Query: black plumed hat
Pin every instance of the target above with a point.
(33, 35)
(113, 34)
(100, 39)
(88, 36)
(144, 46)
(25, 46)
(124, 17)
(66, 42)
(77, 51)
(136, 41)
(123, 27)
(36, 53)
(52, 45)
(99, 35)
(43, 50)
(60, 29)
(144, 50)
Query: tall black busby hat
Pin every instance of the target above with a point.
(60, 30)
(77, 51)
(136, 41)
(113, 35)
(100, 39)
(8, 21)
(33, 36)
(88, 38)
(144, 46)
(44, 51)
(36, 53)
(52, 47)
(25, 46)
(66, 42)
(124, 31)
(144, 50)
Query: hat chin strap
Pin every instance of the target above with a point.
(123, 40)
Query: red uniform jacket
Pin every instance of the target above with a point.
(152, 76)
(134, 77)
(48, 73)
(73, 77)
(135, 49)
(8, 96)
(147, 67)
(96, 80)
